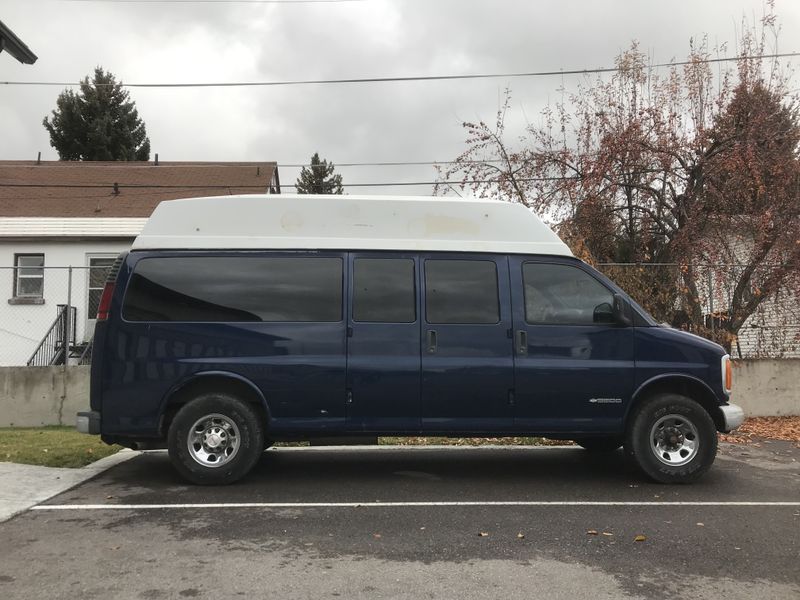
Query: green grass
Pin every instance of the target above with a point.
(52, 447)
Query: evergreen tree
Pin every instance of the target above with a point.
(319, 178)
(99, 122)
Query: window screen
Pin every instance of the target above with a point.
(99, 267)
(234, 288)
(564, 295)
(384, 291)
(29, 275)
(461, 291)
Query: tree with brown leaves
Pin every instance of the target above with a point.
(683, 168)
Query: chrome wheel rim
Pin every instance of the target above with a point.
(213, 440)
(674, 440)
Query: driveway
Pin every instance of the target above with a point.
(387, 522)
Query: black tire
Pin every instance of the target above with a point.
(222, 420)
(659, 435)
(600, 444)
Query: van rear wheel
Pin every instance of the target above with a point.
(672, 439)
(215, 439)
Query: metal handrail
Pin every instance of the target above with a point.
(50, 340)
(86, 356)
(54, 349)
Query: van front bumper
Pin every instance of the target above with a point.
(88, 422)
(732, 417)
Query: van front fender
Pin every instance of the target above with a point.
(678, 383)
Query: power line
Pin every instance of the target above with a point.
(403, 79)
(213, 1)
(446, 182)
(122, 185)
(398, 163)
(235, 186)
(280, 165)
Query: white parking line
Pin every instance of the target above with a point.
(379, 504)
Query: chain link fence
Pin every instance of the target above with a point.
(677, 294)
(50, 313)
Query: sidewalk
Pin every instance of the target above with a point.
(23, 486)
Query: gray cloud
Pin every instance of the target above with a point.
(345, 123)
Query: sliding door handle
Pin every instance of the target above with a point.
(522, 341)
(431, 340)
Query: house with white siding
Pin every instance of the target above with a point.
(62, 224)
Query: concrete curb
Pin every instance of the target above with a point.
(24, 486)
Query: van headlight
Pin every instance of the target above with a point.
(727, 374)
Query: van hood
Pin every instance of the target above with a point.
(692, 338)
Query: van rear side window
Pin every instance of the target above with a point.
(461, 291)
(235, 288)
(384, 291)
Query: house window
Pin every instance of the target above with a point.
(98, 273)
(28, 275)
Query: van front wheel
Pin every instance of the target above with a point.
(215, 439)
(672, 439)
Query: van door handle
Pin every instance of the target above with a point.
(431, 341)
(522, 341)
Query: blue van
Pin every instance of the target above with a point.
(239, 321)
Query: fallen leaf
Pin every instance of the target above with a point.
(591, 532)
(484, 534)
(377, 536)
(639, 538)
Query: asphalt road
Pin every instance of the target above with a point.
(418, 523)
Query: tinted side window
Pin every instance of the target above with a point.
(461, 291)
(383, 290)
(564, 295)
(235, 288)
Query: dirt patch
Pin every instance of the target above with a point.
(771, 428)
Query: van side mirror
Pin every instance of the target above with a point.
(604, 313)
(622, 313)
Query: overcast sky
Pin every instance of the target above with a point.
(413, 121)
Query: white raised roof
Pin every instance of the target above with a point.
(284, 221)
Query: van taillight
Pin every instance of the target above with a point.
(105, 301)
(104, 307)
